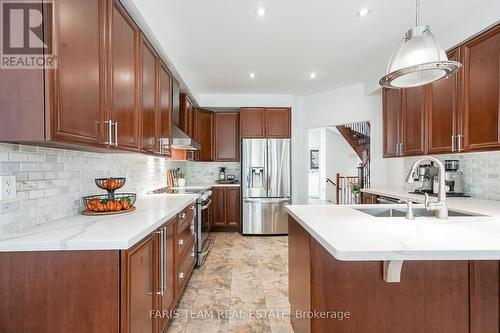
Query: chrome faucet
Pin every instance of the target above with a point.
(440, 206)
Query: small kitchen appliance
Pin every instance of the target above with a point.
(453, 179)
(426, 175)
(222, 173)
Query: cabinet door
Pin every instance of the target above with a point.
(167, 301)
(186, 115)
(203, 133)
(149, 95)
(481, 60)
(391, 99)
(124, 72)
(413, 112)
(233, 207)
(165, 112)
(219, 207)
(278, 123)
(141, 285)
(77, 86)
(227, 136)
(443, 112)
(252, 123)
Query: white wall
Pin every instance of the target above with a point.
(340, 158)
(314, 143)
(340, 106)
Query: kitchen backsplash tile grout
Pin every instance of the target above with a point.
(51, 182)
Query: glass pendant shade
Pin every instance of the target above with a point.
(418, 60)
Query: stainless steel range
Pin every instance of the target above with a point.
(203, 216)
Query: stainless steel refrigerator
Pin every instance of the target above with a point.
(266, 182)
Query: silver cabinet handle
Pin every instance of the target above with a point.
(181, 241)
(453, 147)
(401, 149)
(110, 132)
(116, 133)
(161, 232)
(460, 142)
(181, 275)
(164, 253)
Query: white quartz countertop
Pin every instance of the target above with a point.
(480, 206)
(351, 235)
(207, 185)
(118, 232)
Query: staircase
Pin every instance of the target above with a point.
(358, 137)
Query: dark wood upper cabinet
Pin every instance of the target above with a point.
(265, 122)
(227, 136)
(165, 106)
(233, 206)
(140, 284)
(278, 123)
(203, 133)
(413, 113)
(481, 91)
(186, 115)
(77, 86)
(149, 95)
(252, 123)
(125, 63)
(218, 207)
(392, 121)
(443, 112)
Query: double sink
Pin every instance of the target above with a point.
(419, 212)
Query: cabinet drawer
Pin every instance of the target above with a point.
(185, 239)
(186, 217)
(185, 269)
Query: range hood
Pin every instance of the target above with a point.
(181, 140)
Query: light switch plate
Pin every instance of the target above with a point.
(7, 187)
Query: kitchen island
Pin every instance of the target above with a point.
(357, 269)
(122, 273)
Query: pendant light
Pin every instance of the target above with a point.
(418, 59)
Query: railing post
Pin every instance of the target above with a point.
(338, 188)
(361, 176)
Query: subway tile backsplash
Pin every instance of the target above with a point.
(481, 173)
(51, 182)
(202, 172)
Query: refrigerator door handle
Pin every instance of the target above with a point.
(267, 200)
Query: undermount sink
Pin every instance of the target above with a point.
(401, 212)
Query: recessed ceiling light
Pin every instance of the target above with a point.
(363, 12)
(312, 75)
(261, 11)
(251, 75)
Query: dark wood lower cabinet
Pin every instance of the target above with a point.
(369, 199)
(98, 291)
(432, 297)
(226, 208)
(60, 292)
(139, 285)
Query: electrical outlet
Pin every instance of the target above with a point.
(7, 187)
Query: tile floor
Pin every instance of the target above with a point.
(242, 287)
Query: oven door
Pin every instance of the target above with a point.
(204, 221)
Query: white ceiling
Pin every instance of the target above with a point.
(215, 44)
